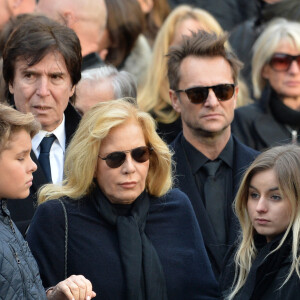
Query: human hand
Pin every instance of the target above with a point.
(76, 287)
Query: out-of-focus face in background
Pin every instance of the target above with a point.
(185, 27)
(286, 83)
(88, 95)
(10, 8)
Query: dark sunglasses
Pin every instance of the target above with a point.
(199, 94)
(116, 159)
(281, 62)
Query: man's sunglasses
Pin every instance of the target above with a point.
(281, 62)
(199, 94)
(116, 159)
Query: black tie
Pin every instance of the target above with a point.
(214, 199)
(44, 161)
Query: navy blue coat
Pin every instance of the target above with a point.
(186, 182)
(93, 249)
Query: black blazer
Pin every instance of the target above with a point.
(22, 210)
(186, 182)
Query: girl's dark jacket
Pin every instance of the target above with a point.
(267, 274)
(19, 274)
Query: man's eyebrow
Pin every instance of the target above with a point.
(59, 73)
(27, 70)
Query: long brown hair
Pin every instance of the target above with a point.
(125, 23)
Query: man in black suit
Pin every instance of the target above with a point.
(41, 66)
(209, 160)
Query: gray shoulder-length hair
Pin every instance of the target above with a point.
(265, 46)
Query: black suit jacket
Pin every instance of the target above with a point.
(22, 210)
(243, 156)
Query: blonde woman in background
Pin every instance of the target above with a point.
(154, 97)
(265, 263)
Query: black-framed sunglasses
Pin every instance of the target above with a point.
(281, 62)
(116, 159)
(199, 94)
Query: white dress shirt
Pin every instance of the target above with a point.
(57, 151)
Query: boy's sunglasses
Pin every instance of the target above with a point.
(281, 62)
(199, 94)
(116, 159)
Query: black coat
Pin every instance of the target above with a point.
(256, 126)
(19, 273)
(186, 182)
(93, 249)
(266, 275)
(22, 210)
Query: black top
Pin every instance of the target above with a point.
(91, 61)
(197, 160)
(267, 273)
(169, 131)
(223, 182)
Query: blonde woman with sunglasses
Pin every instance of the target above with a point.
(264, 263)
(275, 117)
(128, 232)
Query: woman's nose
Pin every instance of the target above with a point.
(294, 67)
(261, 205)
(129, 164)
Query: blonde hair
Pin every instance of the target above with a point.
(265, 46)
(12, 121)
(285, 161)
(82, 153)
(154, 97)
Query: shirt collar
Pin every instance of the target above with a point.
(59, 132)
(197, 159)
(227, 154)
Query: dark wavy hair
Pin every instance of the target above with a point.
(35, 37)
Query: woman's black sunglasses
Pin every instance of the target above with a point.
(199, 94)
(116, 159)
(281, 62)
